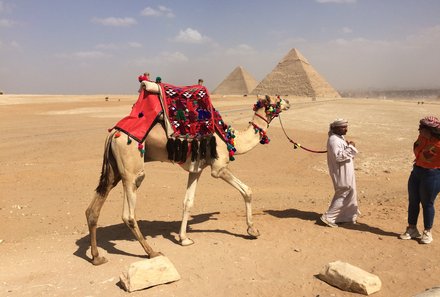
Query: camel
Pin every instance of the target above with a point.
(124, 162)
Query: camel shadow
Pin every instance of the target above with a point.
(314, 216)
(167, 229)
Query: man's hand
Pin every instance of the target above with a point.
(351, 142)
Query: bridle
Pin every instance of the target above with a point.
(272, 110)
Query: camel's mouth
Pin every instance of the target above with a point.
(286, 104)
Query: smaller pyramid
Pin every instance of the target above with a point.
(238, 82)
(295, 76)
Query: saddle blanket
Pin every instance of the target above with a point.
(189, 110)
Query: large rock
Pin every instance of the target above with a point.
(148, 273)
(350, 278)
(433, 292)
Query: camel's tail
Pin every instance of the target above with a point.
(109, 171)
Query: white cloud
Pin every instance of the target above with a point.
(162, 59)
(113, 46)
(336, 1)
(5, 23)
(85, 55)
(15, 45)
(160, 11)
(11, 45)
(115, 22)
(176, 57)
(241, 49)
(346, 30)
(5, 7)
(190, 36)
(134, 44)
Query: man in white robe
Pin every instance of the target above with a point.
(340, 154)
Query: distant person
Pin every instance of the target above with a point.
(145, 76)
(158, 79)
(424, 180)
(200, 82)
(340, 154)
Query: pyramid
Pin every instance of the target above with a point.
(294, 76)
(238, 82)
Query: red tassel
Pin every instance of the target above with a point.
(117, 134)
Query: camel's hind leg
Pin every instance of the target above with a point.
(92, 215)
(225, 174)
(131, 184)
(187, 205)
(109, 179)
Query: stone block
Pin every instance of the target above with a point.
(350, 278)
(147, 273)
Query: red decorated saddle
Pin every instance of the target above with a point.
(188, 109)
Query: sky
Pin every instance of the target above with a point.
(102, 46)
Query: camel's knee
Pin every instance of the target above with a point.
(220, 173)
(139, 178)
(247, 194)
(92, 219)
(129, 221)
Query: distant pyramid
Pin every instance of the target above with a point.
(238, 82)
(294, 76)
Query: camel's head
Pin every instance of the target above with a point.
(272, 107)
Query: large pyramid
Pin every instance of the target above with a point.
(238, 82)
(294, 76)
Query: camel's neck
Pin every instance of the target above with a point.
(247, 139)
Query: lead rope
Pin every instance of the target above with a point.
(295, 144)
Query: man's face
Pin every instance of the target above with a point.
(341, 130)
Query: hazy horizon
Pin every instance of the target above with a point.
(100, 47)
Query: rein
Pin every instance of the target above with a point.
(297, 145)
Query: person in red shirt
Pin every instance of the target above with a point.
(424, 181)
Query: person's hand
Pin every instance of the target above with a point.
(351, 142)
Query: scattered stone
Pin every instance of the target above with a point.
(350, 278)
(148, 273)
(433, 292)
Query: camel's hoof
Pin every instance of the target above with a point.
(186, 242)
(99, 261)
(253, 232)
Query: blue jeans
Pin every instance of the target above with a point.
(423, 187)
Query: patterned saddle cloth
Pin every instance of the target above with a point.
(189, 110)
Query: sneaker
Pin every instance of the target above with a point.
(325, 221)
(411, 232)
(426, 237)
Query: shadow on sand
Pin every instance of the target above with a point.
(314, 216)
(167, 229)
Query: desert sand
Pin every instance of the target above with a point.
(51, 154)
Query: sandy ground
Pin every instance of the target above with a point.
(50, 157)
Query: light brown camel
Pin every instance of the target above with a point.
(125, 162)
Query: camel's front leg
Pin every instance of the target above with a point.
(128, 213)
(187, 205)
(246, 192)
